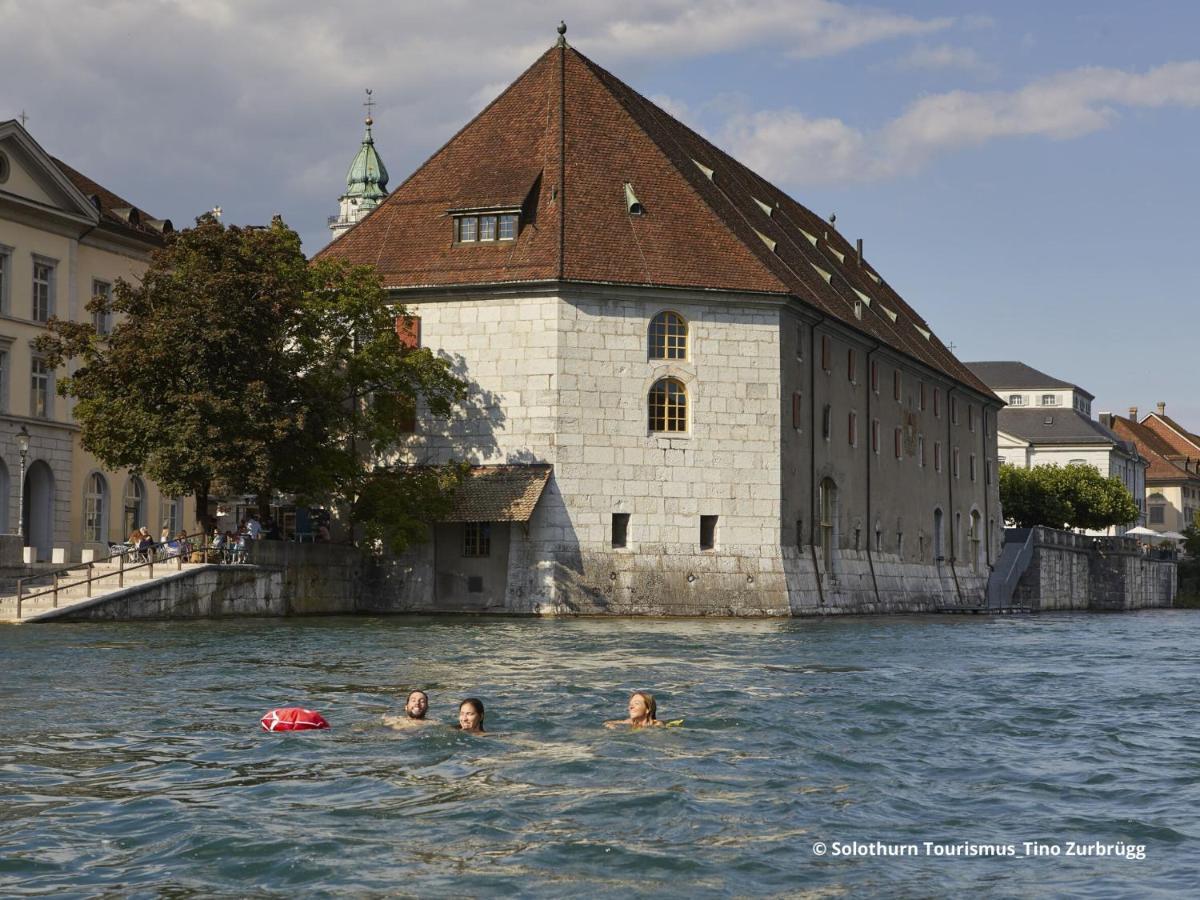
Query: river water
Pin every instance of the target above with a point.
(132, 762)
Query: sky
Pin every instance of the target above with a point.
(1023, 173)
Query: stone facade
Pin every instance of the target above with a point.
(562, 376)
(1073, 571)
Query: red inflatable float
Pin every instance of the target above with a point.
(293, 718)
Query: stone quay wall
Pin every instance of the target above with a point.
(1073, 571)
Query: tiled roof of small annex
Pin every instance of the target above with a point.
(115, 210)
(1013, 374)
(562, 142)
(1155, 450)
(499, 493)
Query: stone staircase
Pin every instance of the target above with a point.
(108, 577)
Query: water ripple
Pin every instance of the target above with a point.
(133, 764)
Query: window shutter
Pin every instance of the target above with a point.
(408, 329)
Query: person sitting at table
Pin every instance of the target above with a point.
(145, 543)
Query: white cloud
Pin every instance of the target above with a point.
(788, 146)
(945, 56)
(184, 104)
(805, 28)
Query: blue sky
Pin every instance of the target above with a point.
(1023, 173)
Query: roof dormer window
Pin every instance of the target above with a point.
(486, 227)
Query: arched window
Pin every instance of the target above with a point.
(94, 501)
(135, 498)
(827, 517)
(668, 405)
(668, 336)
(975, 537)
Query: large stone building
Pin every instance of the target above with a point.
(63, 239)
(689, 394)
(1048, 422)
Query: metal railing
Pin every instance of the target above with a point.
(58, 584)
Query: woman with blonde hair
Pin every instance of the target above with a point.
(643, 713)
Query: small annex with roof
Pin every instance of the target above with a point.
(1173, 478)
(741, 414)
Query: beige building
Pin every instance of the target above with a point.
(63, 239)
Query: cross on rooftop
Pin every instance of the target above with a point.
(24, 118)
(369, 102)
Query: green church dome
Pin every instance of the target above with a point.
(368, 176)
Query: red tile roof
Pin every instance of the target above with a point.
(114, 210)
(1181, 441)
(562, 141)
(499, 493)
(1155, 450)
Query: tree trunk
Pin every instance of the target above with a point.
(202, 517)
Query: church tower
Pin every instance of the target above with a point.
(366, 182)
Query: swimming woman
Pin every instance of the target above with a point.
(643, 713)
(470, 716)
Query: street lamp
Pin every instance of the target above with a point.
(23, 447)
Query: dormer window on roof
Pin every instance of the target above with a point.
(489, 227)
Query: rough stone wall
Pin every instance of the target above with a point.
(1071, 571)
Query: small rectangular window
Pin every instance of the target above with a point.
(937, 456)
(826, 421)
(954, 462)
(487, 228)
(898, 438)
(826, 349)
(620, 529)
(954, 410)
(467, 229)
(1157, 515)
(1016, 399)
(852, 424)
(797, 404)
(5, 276)
(921, 450)
(922, 396)
(41, 384)
(102, 320)
(43, 290)
(937, 403)
(875, 375)
(474, 584)
(970, 417)
(851, 368)
(1049, 400)
(799, 534)
(800, 342)
(708, 532)
(896, 385)
(875, 435)
(477, 539)
(971, 466)
(508, 227)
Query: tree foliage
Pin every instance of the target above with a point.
(1073, 496)
(236, 366)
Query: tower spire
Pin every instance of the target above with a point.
(366, 179)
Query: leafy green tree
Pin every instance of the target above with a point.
(1074, 496)
(1029, 498)
(236, 366)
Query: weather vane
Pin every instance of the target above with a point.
(370, 103)
(24, 118)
